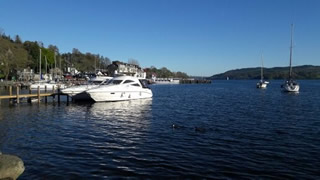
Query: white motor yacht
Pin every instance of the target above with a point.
(121, 88)
(78, 92)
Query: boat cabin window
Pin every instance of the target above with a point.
(128, 81)
(114, 81)
(96, 82)
(135, 84)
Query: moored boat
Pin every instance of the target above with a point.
(290, 85)
(121, 88)
(262, 83)
(78, 92)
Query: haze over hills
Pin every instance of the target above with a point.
(299, 72)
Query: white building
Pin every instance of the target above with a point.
(120, 68)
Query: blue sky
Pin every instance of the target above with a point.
(199, 37)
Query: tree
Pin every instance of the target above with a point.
(181, 75)
(133, 61)
(75, 51)
(40, 43)
(33, 53)
(53, 48)
(1, 32)
(6, 62)
(18, 39)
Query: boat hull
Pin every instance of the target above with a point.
(83, 96)
(111, 96)
(290, 88)
(261, 85)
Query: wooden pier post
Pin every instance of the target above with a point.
(58, 94)
(10, 90)
(18, 100)
(29, 87)
(67, 100)
(39, 94)
(54, 96)
(45, 98)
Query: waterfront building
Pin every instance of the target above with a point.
(121, 68)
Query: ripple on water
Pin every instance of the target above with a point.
(228, 129)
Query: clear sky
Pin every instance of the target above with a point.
(199, 37)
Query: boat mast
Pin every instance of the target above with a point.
(46, 64)
(291, 46)
(261, 67)
(95, 65)
(40, 66)
(55, 65)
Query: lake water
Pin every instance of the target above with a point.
(227, 129)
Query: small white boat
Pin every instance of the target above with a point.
(121, 88)
(290, 85)
(262, 83)
(78, 92)
(49, 85)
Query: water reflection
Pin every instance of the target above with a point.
(120, 119)
(139, 108)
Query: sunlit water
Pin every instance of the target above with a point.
(228, 129)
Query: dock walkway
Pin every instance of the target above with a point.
(29, 96)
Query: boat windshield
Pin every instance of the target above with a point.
(114, 81)
(144, 83)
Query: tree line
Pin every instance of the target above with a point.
(299, 72)
(16, 55)
(164, 73)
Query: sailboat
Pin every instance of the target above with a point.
(45, 84)
(290, 85)
(262, 83)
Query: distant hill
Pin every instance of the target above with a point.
(299, 72)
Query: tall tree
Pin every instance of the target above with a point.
(6, 62)
(33, 53)
(53, 48)
(1, 31)
(14, 57)
(18, 39)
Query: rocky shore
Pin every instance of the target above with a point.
(11, 167)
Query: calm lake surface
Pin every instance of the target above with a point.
(227, 129)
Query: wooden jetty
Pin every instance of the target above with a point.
(29, 96)
(195, 81)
